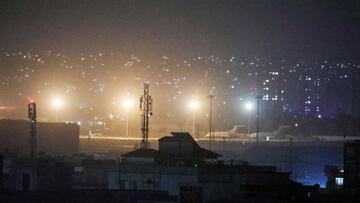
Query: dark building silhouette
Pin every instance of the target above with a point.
(52, 138)
(184, 169)
(38, 175)
(92, 174)
(179, 149)
(335, 177)
(188, 173)
(1, 171)
(352, 168)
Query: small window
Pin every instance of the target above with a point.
(339, 181)
(78, 169)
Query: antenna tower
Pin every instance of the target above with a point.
(146, 109)
(33, 131)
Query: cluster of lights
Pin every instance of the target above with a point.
(268, 76)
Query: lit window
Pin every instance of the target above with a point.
(339, 181)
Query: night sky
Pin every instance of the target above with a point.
(302, 56)
(291, 29)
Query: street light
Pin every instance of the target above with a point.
(248, 107)
(258, 98)
(57, 103)
(211, 97)
(194, 106)
(127, 104)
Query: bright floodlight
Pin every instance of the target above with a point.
(194, 105)
(248, 106)
(57, 102)
(127, 104)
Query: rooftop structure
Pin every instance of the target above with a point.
(178, 149)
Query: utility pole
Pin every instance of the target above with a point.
(146, 108)
(249, 123)
(127, 124)
(193, 125)
(291, 161)
(33, 131)
(211, 97)
(258, 98)
(88, 143)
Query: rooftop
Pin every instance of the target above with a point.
(141, 152)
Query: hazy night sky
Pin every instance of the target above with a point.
(289, 29)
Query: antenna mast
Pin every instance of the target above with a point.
(33, 131)
(146, 109)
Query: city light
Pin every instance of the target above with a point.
(57, 103)
(194, 105)
(127, 104)
(248, 106)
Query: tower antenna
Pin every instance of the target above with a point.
(33, 131)
(146, 109)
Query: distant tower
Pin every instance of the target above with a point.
(146, 109)
(32, 120)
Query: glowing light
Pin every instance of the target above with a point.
(127, 104)
(339, 181)
(194, 105)
(248, 106)
(57, 102)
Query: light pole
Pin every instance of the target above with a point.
(211, 97)
(258, 98)
(127, 124)
(57, 103)
(127, 105)
(248, 108)
(193, 105)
